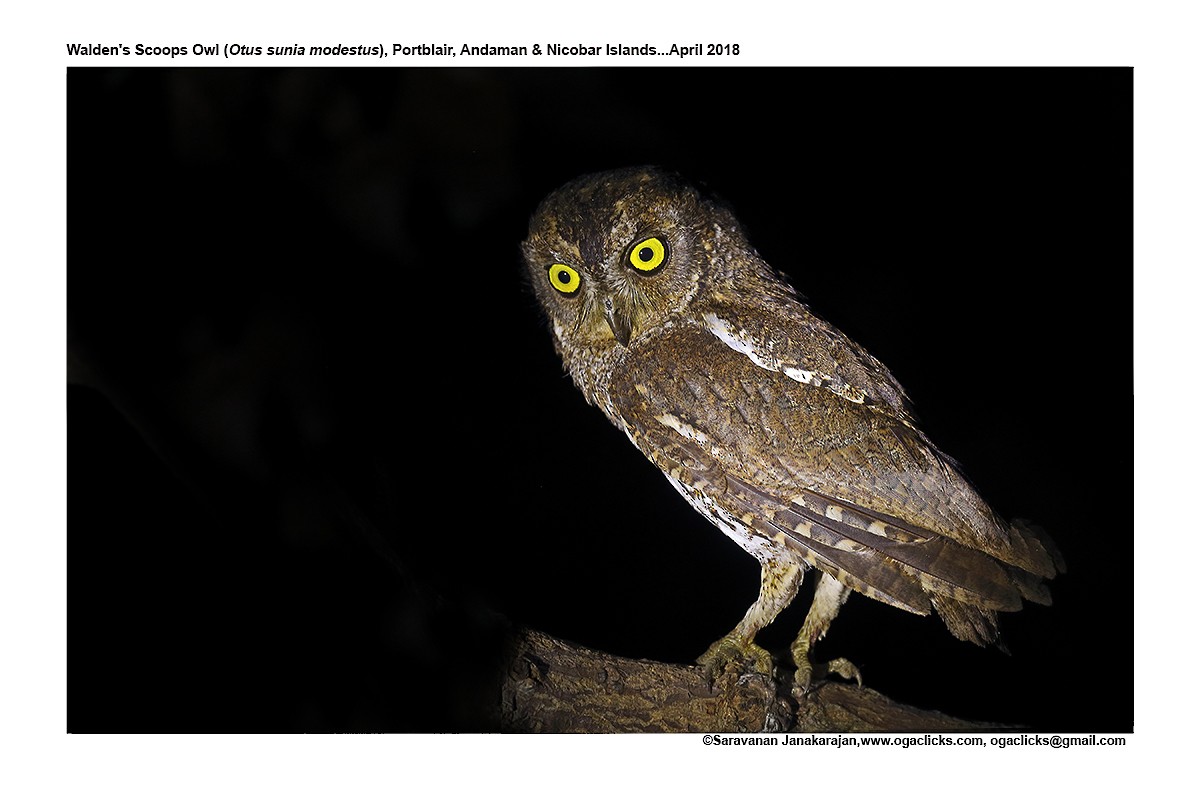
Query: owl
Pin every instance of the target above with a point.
(788, 436)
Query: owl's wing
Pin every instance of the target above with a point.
(853, 488)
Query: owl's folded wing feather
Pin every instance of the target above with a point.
(839, 423)
(866, 499)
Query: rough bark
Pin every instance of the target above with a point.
(552, 686)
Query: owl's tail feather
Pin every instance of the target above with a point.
(969, 623)
(1036, 540)
(1031, 587)
(1047, 556)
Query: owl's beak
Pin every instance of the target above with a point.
(618, 323)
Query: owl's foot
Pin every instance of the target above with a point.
(731, 650)
(808, 673)
(829, 596)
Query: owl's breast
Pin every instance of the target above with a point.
(592, 369)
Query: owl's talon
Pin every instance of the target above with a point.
(745, 656)
(808, 674)
(843, 667)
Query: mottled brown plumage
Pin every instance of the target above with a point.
(787, 435)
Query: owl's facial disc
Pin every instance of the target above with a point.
(611, 294)
(624, 300)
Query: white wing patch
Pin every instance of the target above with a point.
(682, 428)
(739, 341)
(760, 353)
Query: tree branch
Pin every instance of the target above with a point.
(552, 686)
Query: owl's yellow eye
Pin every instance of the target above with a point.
(564, 278)
(648, 255)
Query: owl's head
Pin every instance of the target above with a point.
(613, 254)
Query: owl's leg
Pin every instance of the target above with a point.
(780, 581)
(827, 601)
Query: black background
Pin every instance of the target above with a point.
(321, 452)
